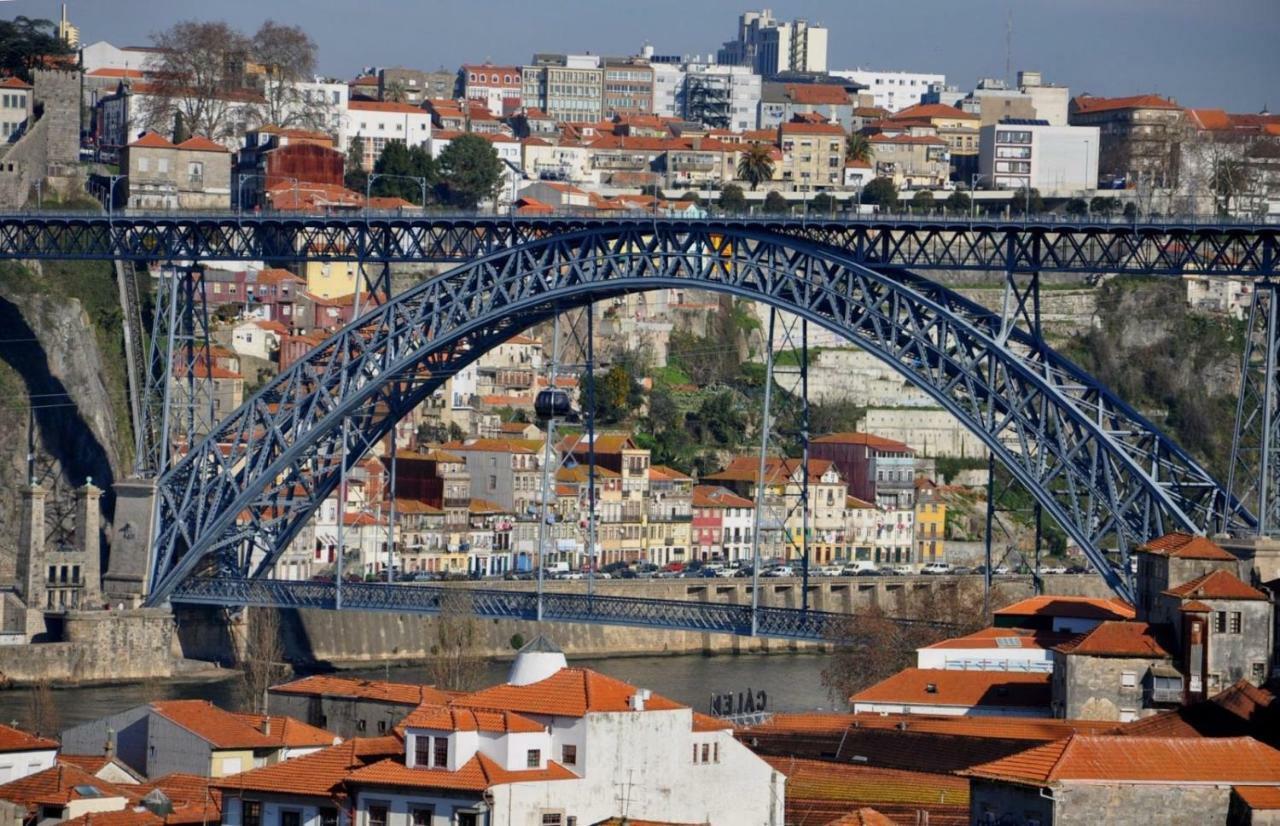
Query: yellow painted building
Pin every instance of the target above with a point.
(331, 279)
(931, 523)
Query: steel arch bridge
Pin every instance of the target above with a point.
(234, 502)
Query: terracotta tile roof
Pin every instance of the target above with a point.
(1218, 584)
(194, 798)
(868, 439)
(451, 718)
(288, 732)
(1195, 606)
(1211, 119)
(198, 143)
(1088, 103)
(152, 140)
(861, 817)
(1185, 546)
(221, 729)
(816, 787)
(415, 506)
(385, 106)
(960, 688)
(817, 94)
(664, 473)
(323, 685)
(13, 739)
(57, 786)
(133, 816)
(794, 128)
(482, 506)
(476, 775)
(1042, 729)
(106, 71)
(1239, 710)
(853, 502)
(489, 445)
(1116, 639)
(705, 722)
(277, 275)
(908, 140)
(1120, 759)
(930, 111)
(14, 83)
(1077, 607)
(1259, 798)
(776, 471)
(318, 774)
(710, 496)
(570, 692)
(1005, 639)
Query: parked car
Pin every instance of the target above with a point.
(859, 568)
(1077, 569)
(780, 571)
(936, 568)
(827, 570)
(1056, 569)
(961, 570)
(868, 572)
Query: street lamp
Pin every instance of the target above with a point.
(368, 186)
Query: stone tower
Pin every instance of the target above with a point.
(88, 533)
(31, 554)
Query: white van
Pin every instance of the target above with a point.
(857, 566)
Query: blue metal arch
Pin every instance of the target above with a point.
(1105, 473)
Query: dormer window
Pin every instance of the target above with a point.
(533, 758)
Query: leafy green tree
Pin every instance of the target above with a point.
(1077, 207)
(922, 201)
(618, 394)
(857, 147)
(24, 44)
(958, 201)
(1131, 210)
(881, 192)
(822, 204)
(775, 204)
(733, 199)
(756, 164)
(1027, 202)
(718, 421)
(401, 165)
(691, 196)
(1104, 205)
(180, 130)
(470, 171)
(354, 176)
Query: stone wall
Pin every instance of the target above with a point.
(1092, 688)
(98, 646)
(57, 95)
(1139, 805)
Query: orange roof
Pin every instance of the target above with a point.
(477, 774)
(1116, 639)
(198, 143)
(861, 817)
(794, 128)
(153, 140)
(1259, 798)
(809, 781)
(997, 727)
(318, 774)
(1077, 607)
(14, 83)
(12, 739)
(451, 718)
(908, 140)
(817, 94)
(1218, 584)
(276, 275)
(221, 729)
(705, 722)
(57, 786)
(103, 72)
(776, 471)
(960, 688)
(1185, 546)
(1004, 638)
(710, 496)
(868, 439)
(929, 111)
(1088, 103)
(288, 732)
(570, 692)
(662, 472)
(1212, 119)
(385, 106)
(489, 445)
(323, 685)
(481, 506)
(1120, 759)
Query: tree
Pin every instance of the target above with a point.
(456, 662)
(180, 130)
(355, 176)
(200, 72)
(470, 172)
(1131, 210)
(43, 719)
(922, 201)
(25, 42)
(1077, 207)
(402, 165)
(857, 147)
(732, 198)
(719, 421)
(881, 192)
(395, 92)
(691, 196)
(958, 201)
(261, 657)
(1229, 178)
(822, 204)
(1104, 205)
(617, 395)
(756, 165)
(1027, 202)
(775, 204)
(287, 55)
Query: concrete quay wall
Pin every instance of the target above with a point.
(98, 646)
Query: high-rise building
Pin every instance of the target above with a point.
(723, 97)
(68, 33)
(566, 87)
(772, 46)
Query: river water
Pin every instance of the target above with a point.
(792, 682)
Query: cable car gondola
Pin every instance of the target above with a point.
(554, 403)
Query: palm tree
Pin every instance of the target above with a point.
(395, 92)
(858, 148)
(756, 165)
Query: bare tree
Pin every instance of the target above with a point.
(287, 56)
(261, 658)
(456, 663)
(200, 74)
(43, 718)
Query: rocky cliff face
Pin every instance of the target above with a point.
(61, 370)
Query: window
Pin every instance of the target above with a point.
(1128, 679)
(377, 814)
(715, 753)
(533, 758)
(695, 752)
(143, 165)
(251, 813)
(420, 816)
(1233, 622)
(706, 752)
(1258, 672)
(162, 164)
(421, 751)
(569, 755)
(290, 817)
(361, 725)
(328, 816)
(441, 752)
(552, 819)
(1219, 622)
(382, 726)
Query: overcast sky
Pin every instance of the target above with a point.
(1213, 53)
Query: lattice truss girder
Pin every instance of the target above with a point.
(1150, 249)
(1254, 475)
(1101, 470)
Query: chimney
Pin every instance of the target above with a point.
(639, 699)
(109, 748)
(266, 724)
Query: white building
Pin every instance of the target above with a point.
(727, 97)
(993, 649)
(1215, 294)
(257, 338)
(553, 746)
(958, 693)
(1059, 161)
(103, 55)
(771, 46)
(893, 90)
(668, 82)
(23, 754)
(1051, 101)
(377, 122)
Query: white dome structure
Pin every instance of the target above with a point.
(537, 661)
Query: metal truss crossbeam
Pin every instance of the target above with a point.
(1100, 469)
(917, 244)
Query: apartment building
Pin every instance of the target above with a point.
(194, 174)
(893, 90)
(628, 87)
(813, 155)
(1058, 161)
(568, 88)
(15, 108)
(498, 88)
(377, 123)
(770, 46)
(1139, 136)
(719, 96)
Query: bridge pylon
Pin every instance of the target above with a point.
(1254, 474)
